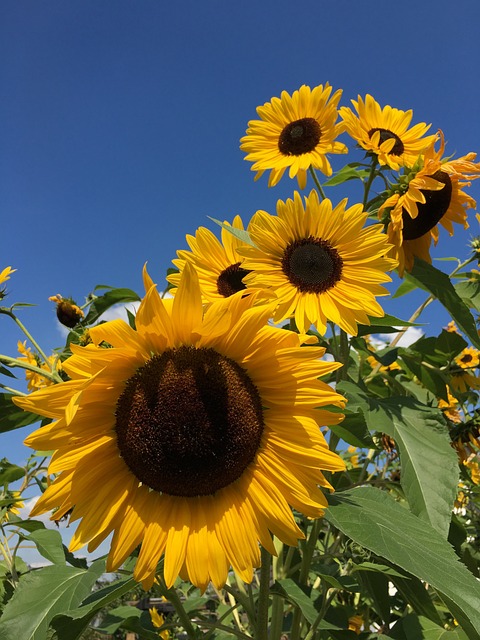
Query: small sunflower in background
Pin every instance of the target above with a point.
(295, 132)
(321, 261)
(34, 379)
(218, 264)
(428, 194)
(464, 377)
(193, 436)
(385, 132)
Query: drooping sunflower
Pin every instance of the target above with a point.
(218, 264)
(191, 436)
(37, 380)
(321, 262)
(428, 194)
(384, 131)
(294, 133)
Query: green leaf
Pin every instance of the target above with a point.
(49, 544)
(41, 595)
(387, 324)
(376, 585)
(348, 172)
(107, 300)
(429, 463)
(431, 379)
(12, 416)
(413, 627)
(405, 287)
(414, 592)
(469, 292)
(7, 372)
(375, 520)
(70, 625)
(353, 430)
(240, 234)
(290, 590)
(10, 472)
(439, 285)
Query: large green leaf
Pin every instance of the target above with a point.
(290, 590)
(469, 291)
(49, 544)
(10, 472)
(12, 416)
(43, 594)
(439, 284)
(372, 518)
(107, 300)
(71, 624)
(413, 627)
(429, 464)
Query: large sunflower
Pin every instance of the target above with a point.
(218, 264)
(191, 436)
(385, 131)
(320, 261)
(429, 193)
(294, 133)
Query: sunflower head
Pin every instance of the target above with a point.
(294, 132)
(321, 261)
(191, 436)
(385, 132)
(68, 312)
(428, 194)
(218, 263)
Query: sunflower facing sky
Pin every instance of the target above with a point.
(385, 132)
(429, 193)
(321, 262)
(191, 436)
(218, 264)
(294, 133)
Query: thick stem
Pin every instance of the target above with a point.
(15, 362)
(172, 596)
(263, 596)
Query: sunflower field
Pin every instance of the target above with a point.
(256, 450)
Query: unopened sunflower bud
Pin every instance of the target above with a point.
(475, 247)
(68, 313)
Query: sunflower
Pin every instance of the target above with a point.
(428, 194)
(294, 133)
(5, 274)
(36, 380)
(385, 132)
(320, 262)
(218, 264)
(192, 435)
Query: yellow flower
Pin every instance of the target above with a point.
(192, 436)
(355, 623)
(452, 327)
(450, 408)
(320, 261)
(373, 362)
(472, 466)
(36, 380)
(294, 133)
(430, 194)
(6, 273)
(353, 456)
(13, 502)
(218, 264)
(158, 621)
(385, 132)
(469, 358)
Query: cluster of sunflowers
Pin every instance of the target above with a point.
(191, 432)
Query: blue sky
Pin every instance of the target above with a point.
(120, 123)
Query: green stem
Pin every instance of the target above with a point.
(15, 362)
(13, 391)
(32, 339)
(317, 183)
(276, 626)
(368, 183)
(172, 596)
(263, 596)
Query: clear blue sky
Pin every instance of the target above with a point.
(120, 122)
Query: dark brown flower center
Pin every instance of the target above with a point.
(385, 134)
(189, 422)
(466, 358)
(230, 280)
(299, 137)
(312, 265)
(431, 211)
